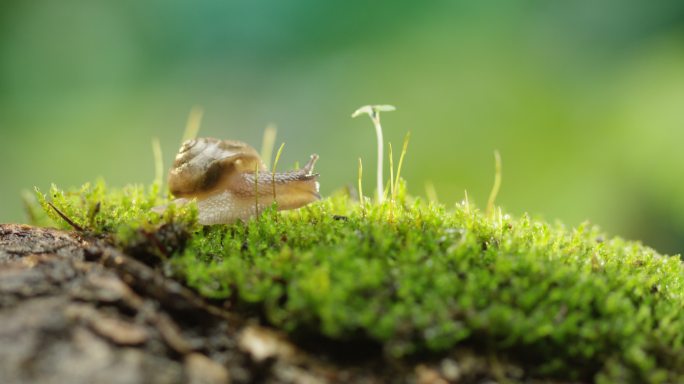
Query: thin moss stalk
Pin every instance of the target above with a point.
(256, 191)
(193, 124)
(360, 182)
(404, 149)
(497, 184)
(391, 182)
(273, 171)
(431, 192)
(268, 142)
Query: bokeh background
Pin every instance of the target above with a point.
(584, 99)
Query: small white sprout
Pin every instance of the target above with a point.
(373, 112)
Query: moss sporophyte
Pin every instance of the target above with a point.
(417, 277)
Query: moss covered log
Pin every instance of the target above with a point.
(415, 279)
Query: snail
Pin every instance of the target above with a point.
(230, 182)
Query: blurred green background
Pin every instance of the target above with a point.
(584, 99)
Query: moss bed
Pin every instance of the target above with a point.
(416, 279)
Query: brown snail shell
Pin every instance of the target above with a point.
(221, 175)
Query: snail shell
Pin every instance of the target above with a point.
(221, 175)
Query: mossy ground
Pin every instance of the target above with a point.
(417, 278)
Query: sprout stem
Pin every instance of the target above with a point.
(374, 112)
(378, 132)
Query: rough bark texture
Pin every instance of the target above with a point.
(75, 310)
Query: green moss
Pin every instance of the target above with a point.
(421, 278)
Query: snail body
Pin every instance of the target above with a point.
(230, 182)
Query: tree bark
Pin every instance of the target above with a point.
(75, 310)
